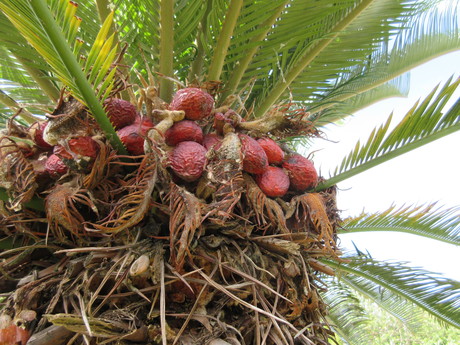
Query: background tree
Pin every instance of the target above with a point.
(318, 60)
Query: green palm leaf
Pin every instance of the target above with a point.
(333, 111)
(138, 24)
(20, 63)
(389, 280)
(14, 106)
(43, 33)
(427, 35)
(424, 123)
(426, 221)
(404, 311)
(346, 314)
(187, 29)
(356, 32)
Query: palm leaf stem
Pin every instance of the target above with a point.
(71, 63)
(13, 105)
(387, 157)
(243, 64)
(223, 42)
(166, 66)
(42, 80)
(294, 72)
(197, 64)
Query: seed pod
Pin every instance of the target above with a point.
(55, 166)
(274, 182)
(140, 266)
(301, 171)
(255, 159)
(36, 132)
(196, 103)
(212, 140)
(84, 146)
(185, 130)
(121, 113)
(188, 160)
(274, 152)
(133, 136)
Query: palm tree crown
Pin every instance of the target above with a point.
(317, 60)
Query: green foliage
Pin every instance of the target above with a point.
(329, 57)
(428, 221)
(426, 121)
(393, 284)
(52, 32)
(384, 329)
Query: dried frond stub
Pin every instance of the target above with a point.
(17, 174)
(62, 211)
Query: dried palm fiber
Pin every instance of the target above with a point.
(125, 253)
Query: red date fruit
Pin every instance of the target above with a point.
(301, 171)
(255, 159)
(188, 160)
(274, 182)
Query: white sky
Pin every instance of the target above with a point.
(426, 175)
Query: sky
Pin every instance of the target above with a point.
(428, 174)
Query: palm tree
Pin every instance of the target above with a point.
(212, 278)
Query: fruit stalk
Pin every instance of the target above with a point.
(265, 124)
(168, 118)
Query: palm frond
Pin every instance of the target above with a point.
(20, 92)
(426, 35)
(425, 122)
(427, 221)
(138, 27)
(42, 31)
(355, 29)
(12, 70)
(20, 63)
(301, 24)
(346, 314)
(257, 18)
(17, 108)
(251, 26)
(389, 281)
(334, 111)
(166, 66)
(188, 31)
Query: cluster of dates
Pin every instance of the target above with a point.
(190, 114)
